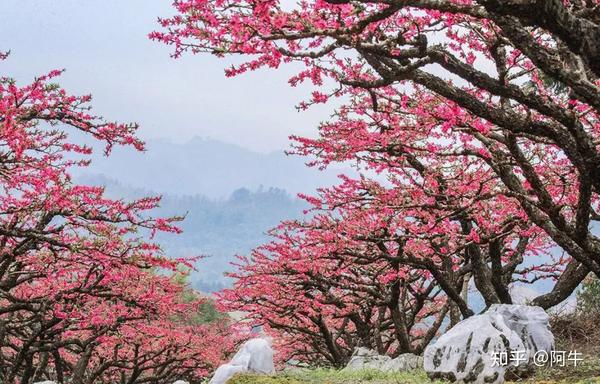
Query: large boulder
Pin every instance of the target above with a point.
(485, 348)
(532, 324)
(522, 294)
(466, 352)
(255, 356)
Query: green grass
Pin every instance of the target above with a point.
(587, 372)
(329, 376)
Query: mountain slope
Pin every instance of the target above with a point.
(208, 167)
(217, 229)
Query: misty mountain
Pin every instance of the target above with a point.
(217, 229)
(230, 196)
(207, 167)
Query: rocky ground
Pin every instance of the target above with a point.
(573, 332)
(586, 374)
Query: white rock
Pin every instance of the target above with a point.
(255, 355)
(532, 324)
(46, 382)
(404, 362)
(567, 307)
(522, 294)
(181, 382)
(364, 358)
(466, 352)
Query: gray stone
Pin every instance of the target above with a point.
(522, 294)
(469, 352)
(531, 323)
(404, 362)
(364, 358)
(466, 352)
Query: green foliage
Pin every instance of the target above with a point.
(207, 311)
(256, 379)
(586, 372)
(588, 298)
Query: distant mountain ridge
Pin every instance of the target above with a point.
(217, 229)
(208, 167)
(231, 196)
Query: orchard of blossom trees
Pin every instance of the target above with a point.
(85, 297)
(474, 127)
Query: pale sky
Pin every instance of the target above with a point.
(103, 45)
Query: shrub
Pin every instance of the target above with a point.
(588, 298)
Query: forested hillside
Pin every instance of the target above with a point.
(215, 228)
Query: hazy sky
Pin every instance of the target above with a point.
(103, 45)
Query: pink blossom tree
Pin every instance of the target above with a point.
(471, 100)
(382, 266)
(327, 286)
(81, 296)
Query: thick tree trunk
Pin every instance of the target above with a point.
(582, 36)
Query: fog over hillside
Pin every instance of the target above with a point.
(218, 229)
(208, 167)
(230, 196)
